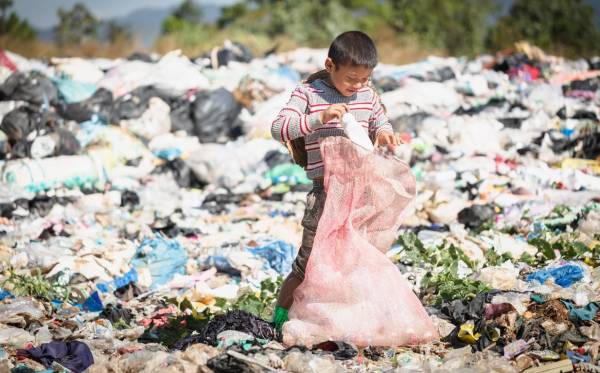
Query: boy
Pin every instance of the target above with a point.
(315, 111)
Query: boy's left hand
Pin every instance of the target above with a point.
(389, 139)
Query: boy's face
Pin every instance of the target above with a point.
(348, 79)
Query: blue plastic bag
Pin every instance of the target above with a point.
(163, 257)
(564, 276)
(168, 154)
(73, 91)
(118, 282)
(5, 294)
(93, 303)
(278, 254)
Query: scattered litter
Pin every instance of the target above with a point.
(147, 220)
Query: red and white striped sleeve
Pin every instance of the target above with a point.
(378, 122)
(292, 121)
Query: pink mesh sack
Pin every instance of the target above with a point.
(352, 292)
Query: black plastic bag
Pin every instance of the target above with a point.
(181, 172)
(231, 52)
(129, 198)
(100, 104)
(277, 157)
(590, 146)
(239, 320)
(140, 56)
(20, 122)
(475, 216)
(135, 103)
(215, 116)
(65, 143)
(181, 118)
(514, 123)
(33, 87)
(591, 84)
(116, 313)
(236, 52)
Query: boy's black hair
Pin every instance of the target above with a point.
(353, 48)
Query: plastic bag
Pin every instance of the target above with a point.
(160, 257)
(351, 291)
(99, 104)
(73, 91)
(18, 310)
(33, 87)
(166, 75)
(48, 172)
(215, 116)
(564, 276)
(154, 122)
(279, 254)
(242, 160)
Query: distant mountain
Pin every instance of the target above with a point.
(45, 34)
(145, 22)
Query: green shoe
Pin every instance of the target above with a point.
(279, 317)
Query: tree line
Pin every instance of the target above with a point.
(75, 26)
(455, 27)
(458, 27)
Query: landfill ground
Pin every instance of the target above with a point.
(147, 217)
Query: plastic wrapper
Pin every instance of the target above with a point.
(351, 291)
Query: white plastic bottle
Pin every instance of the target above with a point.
(356, 133)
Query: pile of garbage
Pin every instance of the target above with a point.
(147, 218)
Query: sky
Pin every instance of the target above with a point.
(42, 13)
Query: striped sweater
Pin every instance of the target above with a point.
(301, 117)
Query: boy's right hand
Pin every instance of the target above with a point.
(333, 111)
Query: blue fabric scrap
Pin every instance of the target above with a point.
(564, 276)
(278, 254)
(73, 355)
(584, 313)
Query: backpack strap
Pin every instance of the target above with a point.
(297, 147)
